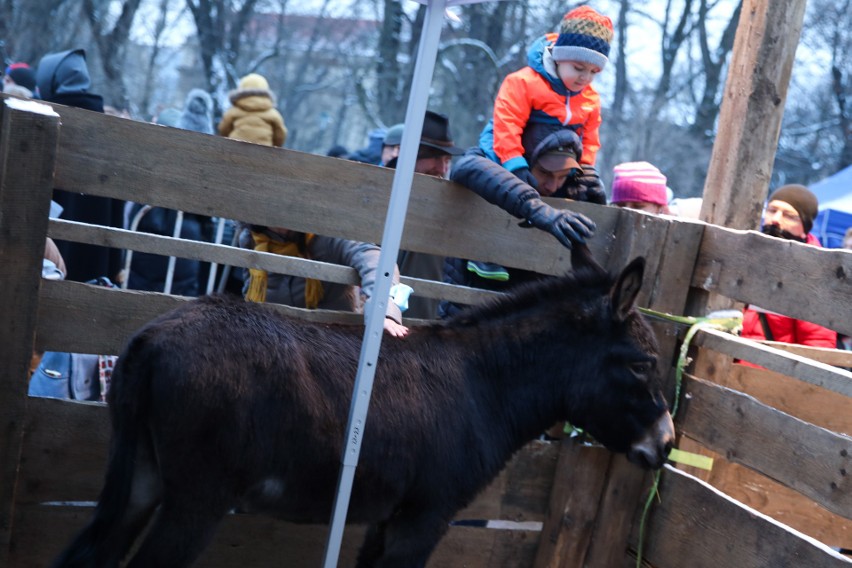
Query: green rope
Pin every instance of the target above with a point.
(731, 324)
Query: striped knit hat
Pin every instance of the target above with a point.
(584, 36)
(639, 182)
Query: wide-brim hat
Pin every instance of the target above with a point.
(436, 134)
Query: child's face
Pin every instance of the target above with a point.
(576, 75)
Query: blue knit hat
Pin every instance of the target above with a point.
(584, 35)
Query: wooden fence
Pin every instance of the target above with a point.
(566, 504)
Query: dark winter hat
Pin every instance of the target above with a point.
(436, 134)
(553, 151)
(22, 74)
(803, 201)
(393, 137)
(584, 35)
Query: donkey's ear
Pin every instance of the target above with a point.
(626, 288)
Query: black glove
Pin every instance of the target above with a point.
(591, 186)
(567, 226)
(525, 175)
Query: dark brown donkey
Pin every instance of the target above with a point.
(222, 404)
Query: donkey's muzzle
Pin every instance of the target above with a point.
(651, 450)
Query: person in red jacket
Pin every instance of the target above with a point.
(554, 91)
(789, 214)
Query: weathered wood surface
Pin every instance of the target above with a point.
(769, 497)
(64, 454)
(235, 257)
(573, 506)
(794, 279)
(610, 489)
(813, 461)
(752, 108)
(697, 526)
(212, 175)
(244, 540)
(28, 143)
(834, 357)
(804, 369)
(804, 401)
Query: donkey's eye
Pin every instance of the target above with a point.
(642, 369)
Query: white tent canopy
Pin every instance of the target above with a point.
(835, 207)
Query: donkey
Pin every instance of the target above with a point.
(222, 404)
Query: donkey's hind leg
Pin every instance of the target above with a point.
(117, 521)
(181, 529)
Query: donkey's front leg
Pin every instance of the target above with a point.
(405, 541)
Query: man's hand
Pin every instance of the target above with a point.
(395, 329)
(591, 186)
(567, 226)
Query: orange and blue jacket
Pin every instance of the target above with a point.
(532, 98)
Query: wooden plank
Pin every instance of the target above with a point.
(627, 485)
(833, 357)
(750, 116)
(66, 445)
(228, 255)
(804, 369)
(112, 316)
(698, 526)
(771, 498)
(245, 540)
(801, 281)
(28, 141)
(813, 461)
(807, 402)
(521, 492)
(581, 471)
(211, 175)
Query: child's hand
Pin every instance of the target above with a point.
(525, 175)
(395, 329)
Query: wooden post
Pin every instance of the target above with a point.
(752, 108)
(747, 138)
(28, 146)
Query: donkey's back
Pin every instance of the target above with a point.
(222, 404)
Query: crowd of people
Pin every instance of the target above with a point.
(541, 141)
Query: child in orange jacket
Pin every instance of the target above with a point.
(554, 91)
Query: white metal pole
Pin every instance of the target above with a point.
(375, 308)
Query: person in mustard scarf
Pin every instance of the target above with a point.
(296, 291)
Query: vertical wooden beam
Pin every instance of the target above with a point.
(29, 134)
(592, 510)
(751, 113)
(749, 124)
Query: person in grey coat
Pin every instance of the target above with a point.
(197, 114)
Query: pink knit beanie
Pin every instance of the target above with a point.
(640, 182)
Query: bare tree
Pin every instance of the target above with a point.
(220, 25)
(713, 63)
(112, 44)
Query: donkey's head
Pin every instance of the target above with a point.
(627, 412)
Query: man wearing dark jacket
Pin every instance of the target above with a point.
(63, 78)
(555, 166)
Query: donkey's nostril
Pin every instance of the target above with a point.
(667, 448)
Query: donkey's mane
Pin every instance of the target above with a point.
(576, 287)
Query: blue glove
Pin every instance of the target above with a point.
(567, 226)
